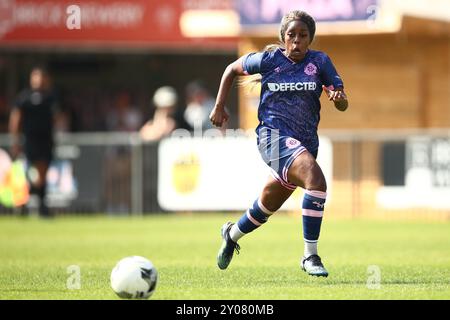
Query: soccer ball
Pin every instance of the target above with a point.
(134, 278)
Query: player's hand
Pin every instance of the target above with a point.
(219, 116)
(338, 96)
(335, 95)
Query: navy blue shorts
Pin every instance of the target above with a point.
(279, 152)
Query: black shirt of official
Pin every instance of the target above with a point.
(38, 109)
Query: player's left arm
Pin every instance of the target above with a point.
(333, 84)
(60, 116)
(338, 96)
(61, 121)
(14, 128)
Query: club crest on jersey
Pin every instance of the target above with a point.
(292, 143)
(310, 69)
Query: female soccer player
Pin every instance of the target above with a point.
(292, 80)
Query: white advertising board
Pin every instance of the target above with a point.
(219, 173)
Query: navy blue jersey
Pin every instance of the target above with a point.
(290, 92)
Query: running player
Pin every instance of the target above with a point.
(292, 80)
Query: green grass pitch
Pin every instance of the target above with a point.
(413, 258)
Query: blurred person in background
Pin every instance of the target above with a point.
(124, 116)
(293, 78)
(167, 116)
(199, 105)
(32, 122)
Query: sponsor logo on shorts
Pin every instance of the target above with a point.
(292, 143)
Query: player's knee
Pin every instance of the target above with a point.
(318, 183)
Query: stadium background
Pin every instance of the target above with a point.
(387, 156)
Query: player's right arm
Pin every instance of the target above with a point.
(219, 115)
(15, 120)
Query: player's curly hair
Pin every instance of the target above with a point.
(297, 15)
(287, 18)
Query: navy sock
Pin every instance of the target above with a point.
(312, 212)
(253, 218)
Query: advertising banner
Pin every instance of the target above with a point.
(263, 12)
(220, 173)
(104, 22)
(426, 176)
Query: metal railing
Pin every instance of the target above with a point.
(117, 173)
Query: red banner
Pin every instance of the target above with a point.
(99, 22)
